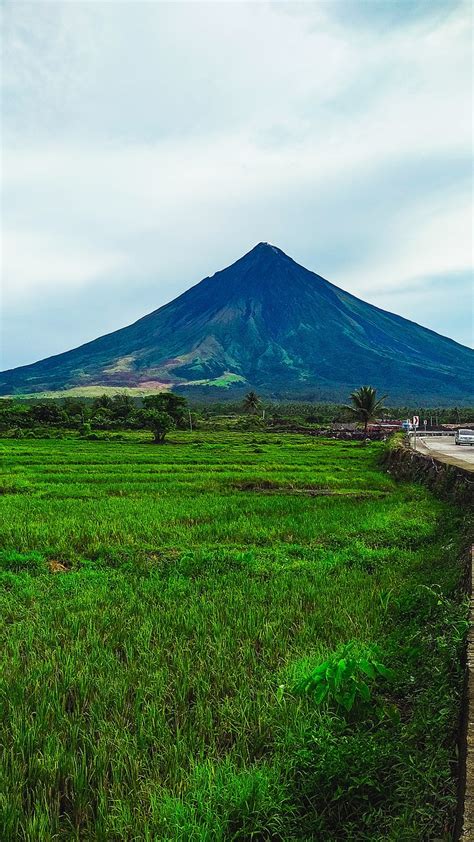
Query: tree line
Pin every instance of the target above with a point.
(160, 413)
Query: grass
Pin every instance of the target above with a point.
(226, 380)
(91, 392)
(149, 684)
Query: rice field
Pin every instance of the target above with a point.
(160, 607)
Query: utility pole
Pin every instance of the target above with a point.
(190, 421)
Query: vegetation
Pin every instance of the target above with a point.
(174, 405)
(366, 407)
(162, 413)
(347, 680)
(159, 423)
(105, 412)
(251, 402)
(166, 613)
(121, 411)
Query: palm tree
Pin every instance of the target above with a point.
(251, 402)
(365, 405)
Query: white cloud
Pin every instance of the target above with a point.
(433, 246)
(31, 260)
(153, 143)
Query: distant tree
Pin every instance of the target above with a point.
(46, 413)
(102, 402)
(102, 418)
(251, 402)
(73, 406)
(14, 415)
(122, 407)
(365, 405)
(160, 423)
(75, 411)
(174, 405)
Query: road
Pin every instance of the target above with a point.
(444, 449)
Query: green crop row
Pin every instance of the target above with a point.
(168, 613)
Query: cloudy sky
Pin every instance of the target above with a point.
(148, 144)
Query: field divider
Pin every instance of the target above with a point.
(467, 733)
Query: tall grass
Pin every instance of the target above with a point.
(148, 684)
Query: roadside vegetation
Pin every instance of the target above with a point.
(233, 636)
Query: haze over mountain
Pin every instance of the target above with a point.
(268, 323)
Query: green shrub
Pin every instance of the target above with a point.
(347, 679)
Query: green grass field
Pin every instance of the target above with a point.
(160, 605)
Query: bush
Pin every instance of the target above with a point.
(347, 680)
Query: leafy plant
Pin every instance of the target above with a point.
(346, 679)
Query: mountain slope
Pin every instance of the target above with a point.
(268, 323)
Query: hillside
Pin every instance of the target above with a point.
(268, 323)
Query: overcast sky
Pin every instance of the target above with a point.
(148, 144)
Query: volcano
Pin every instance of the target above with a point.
(269, 324)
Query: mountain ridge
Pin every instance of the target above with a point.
(263, 322)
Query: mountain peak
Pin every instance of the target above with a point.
(267, 323)
(267, 248)
(266, 252)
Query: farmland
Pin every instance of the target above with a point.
(161, 607)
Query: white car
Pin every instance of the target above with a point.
(464, 437)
